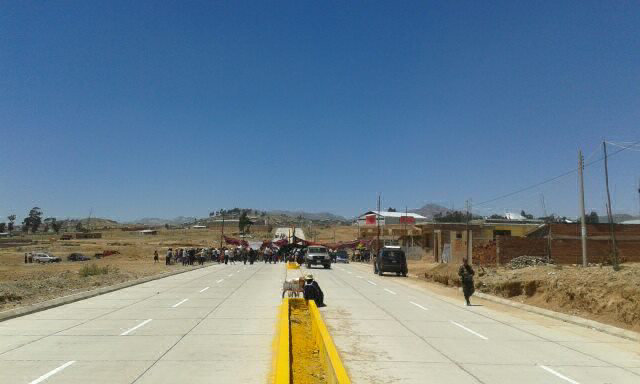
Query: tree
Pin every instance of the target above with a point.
(495, 216)
(12, 219)
(3, 226)
(79, 226)
(526, 215)
(56, 225)
(244, 223)
(391, 209)
(33, 220)
(592, 218)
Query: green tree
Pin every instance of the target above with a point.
(3, 226)
(244, 223)
(526, 215)
(12, 219)
(592, 218)
(33, 220)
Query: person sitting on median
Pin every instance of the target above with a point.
(312, 291)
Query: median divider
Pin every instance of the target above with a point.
(304, 351)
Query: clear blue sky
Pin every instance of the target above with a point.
(163, 108)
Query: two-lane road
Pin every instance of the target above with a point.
(392, 330)
(209, 325)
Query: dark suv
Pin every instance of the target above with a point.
(390, 259)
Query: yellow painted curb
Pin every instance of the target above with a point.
(336, 374)
(282, 356)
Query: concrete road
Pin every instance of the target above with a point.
(214, 324)
(392, 330)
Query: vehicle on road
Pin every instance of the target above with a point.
(42, 257)
(391, 259)
(78, 257)
(317, 255)
(342, 257)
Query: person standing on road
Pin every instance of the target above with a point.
(226, 256)
(167, 259)
(155, 256)
(466, 276)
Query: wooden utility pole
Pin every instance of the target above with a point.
(614, 248)
(468, 206)
(222, 235)
(583, 222)
(377, 230)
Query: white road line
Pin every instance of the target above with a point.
(204, 289)
(371, 282)
(563, 377)
(390, 291)
(469, 330)
(229, 275)
(175, 305)
(220, 281)
(349, 272)
(359, 277)
(128, 331)
(51, 373)
(418, 305)
(238, 271)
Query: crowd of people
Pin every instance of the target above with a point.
(224, 255)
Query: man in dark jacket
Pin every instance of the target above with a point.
(312, 291)
(466, 276)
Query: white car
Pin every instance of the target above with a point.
(41, 257)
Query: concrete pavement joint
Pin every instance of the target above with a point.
(110, 312)
(435, 296)
(198, 323)
(44, 305)
(414, 333)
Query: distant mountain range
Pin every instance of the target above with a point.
(430, 210)
(156, 221)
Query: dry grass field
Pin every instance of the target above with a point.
(23, 284)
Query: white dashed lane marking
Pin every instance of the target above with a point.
(175, 305)
(128, 331)
(469, 330)
(51, 373)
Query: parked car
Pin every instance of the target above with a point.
(391, 259)
(42, 257)
(315, 255)
(78, 257)
(342, 257)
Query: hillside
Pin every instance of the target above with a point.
(430, 210)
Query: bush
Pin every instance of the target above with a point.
(94, 270)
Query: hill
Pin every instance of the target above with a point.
(430, 210)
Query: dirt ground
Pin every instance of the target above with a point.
(596, 293)
(22, 284)
(326, 233)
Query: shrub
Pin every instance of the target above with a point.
(94, 270)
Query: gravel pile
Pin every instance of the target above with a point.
(527, 261)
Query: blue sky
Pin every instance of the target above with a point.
(137, 109)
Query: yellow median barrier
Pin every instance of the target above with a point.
(286, 368)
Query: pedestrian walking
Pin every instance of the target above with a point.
(155, 256)
(466, 276)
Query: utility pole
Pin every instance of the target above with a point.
(468, 206)
(614, 248)
(222, 235)
(377, 230)
(583, 222)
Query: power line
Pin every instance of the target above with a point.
(546, 181)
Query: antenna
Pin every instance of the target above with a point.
(543, 204)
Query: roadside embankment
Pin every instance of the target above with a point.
(596, 293)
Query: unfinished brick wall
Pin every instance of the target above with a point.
(570, 251)
(484, 253)
(512, 247)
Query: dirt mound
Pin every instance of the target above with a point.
(595, 292)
